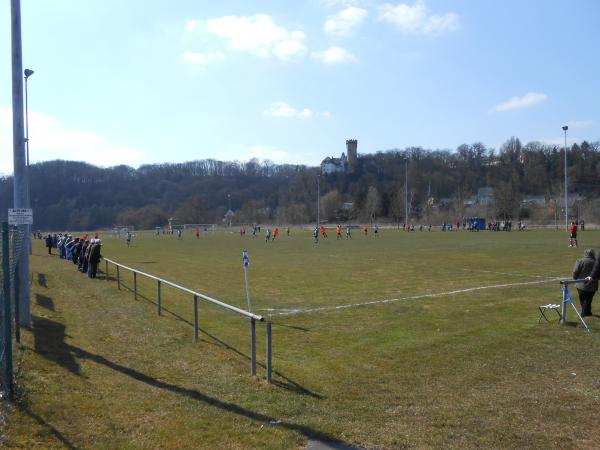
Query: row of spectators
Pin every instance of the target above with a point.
(83, 252)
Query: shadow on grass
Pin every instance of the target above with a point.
(287, 383)
(53, 431)
(41, 279)
(49, 342)
(199, 396)
(44, 302)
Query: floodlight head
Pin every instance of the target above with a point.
(565, 128)
(28, 73)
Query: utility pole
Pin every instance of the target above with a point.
(565, 128)
(318, 201)
(406, 192)
(19, 169)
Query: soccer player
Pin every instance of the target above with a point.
(348, 232)
(288, 231)
(366, 229)
(573, 235)
(197, 233)
(338, 232)
(316, 234)
(178, 233)
(323, 232)
(128, 238)
(268, 235)
(376, 230)
(275, 233)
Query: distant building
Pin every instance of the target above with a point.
(485, 196)
(334, 165)
(352, 150)
(534, 201)
(343, 164)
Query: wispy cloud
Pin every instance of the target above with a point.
(526, 101)
(202, 58)
(51, 139)
(335, 55)
(346, 21)
(258, 35)
(580, 124)
(416, 18)
(284, 110)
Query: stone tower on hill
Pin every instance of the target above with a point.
(351, 146)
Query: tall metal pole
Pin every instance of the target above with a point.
(19, 169)
(318, 203)
(229, 211)
(565, 128)
(28, 73)
(406, 192)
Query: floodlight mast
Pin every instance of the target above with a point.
(27, 73)
(406, 192)
(565, 128)
(19, 168)
(318, 203)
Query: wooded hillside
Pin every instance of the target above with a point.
(75, 195)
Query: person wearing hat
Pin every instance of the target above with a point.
(586, 289)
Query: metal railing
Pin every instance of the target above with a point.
(196, 296)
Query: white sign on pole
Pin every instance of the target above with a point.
(20, 216)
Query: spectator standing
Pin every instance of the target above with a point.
(586, 289)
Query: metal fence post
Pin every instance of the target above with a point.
(253, 343)
(7, 319)
(563, 310)
(135, 285)
(195, 317)
(106, 273)
(118, 279)
(269, 354)
(16, 291)
(158, 305)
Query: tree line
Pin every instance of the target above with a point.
(79, 196)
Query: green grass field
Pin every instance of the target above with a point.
(425, 369)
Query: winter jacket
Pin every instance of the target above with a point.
(583, 268)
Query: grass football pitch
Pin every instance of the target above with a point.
(425, 340)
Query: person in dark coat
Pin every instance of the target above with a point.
(49, 243)
(85, 254)
(586, 289)
(76, 250)
(94, 258)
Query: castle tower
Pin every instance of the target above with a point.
(351, 146)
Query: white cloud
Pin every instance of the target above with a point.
(417, 19)
(346, 21)
(526, 101)
(580, 124)
(202, 58)
(280, 109)
(191, 25)
(51, 139)
(335, 55)
(284, 110)
(258, 35)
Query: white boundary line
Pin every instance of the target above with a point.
(510, 274)
(287, 312)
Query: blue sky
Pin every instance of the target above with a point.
(136, 81)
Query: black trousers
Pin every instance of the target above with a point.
(585, 298)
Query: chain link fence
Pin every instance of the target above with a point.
(10, 252)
